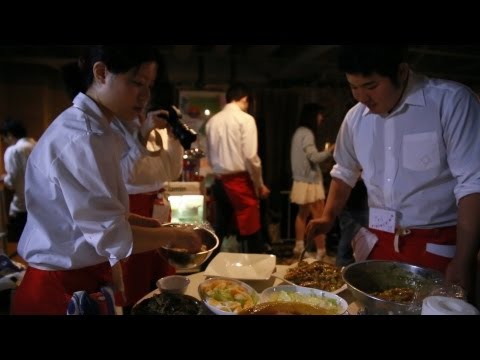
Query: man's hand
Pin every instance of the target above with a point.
(316, 227)
(263, 192)
(461, 274)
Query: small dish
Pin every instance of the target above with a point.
(173, 284)
(242, 266)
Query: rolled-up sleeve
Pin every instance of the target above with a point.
(347, 167)
(461, 124)
(96, 197)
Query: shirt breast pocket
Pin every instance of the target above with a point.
(420, 151)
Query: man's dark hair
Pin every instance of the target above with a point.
(13, 127)
(237, 91)
(368, 59)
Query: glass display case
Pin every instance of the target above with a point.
(187, 202)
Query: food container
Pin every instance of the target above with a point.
(367, 277)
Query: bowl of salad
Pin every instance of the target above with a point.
(224, 296)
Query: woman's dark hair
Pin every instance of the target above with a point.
(119, 59)
(13, 127)
(369, 59)
(309, 114)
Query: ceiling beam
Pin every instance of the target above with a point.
(262, 50)
(305, 56)
(221, 50)
(443, 53)
(182, 52)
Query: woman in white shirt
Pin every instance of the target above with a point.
(79, 225)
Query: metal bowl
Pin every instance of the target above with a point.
(366, 277)
(185, 260)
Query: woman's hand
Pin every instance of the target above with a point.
(189, 239)
(143, 221)
(153, 120)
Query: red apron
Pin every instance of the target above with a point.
(44, 292)
(413, 247)
(246, 207)
(141, 271)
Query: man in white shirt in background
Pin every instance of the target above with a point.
(14, 135)
(417, 141)
(232, 153)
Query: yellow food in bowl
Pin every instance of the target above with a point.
(230, 296)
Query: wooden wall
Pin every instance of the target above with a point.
(33, 94)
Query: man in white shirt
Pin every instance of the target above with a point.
(14, 135)
(232, 153)
(417, 141)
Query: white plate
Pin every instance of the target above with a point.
(242, 266)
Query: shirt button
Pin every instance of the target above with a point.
(389, 148)
(389, 179)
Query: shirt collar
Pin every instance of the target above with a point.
(90, 107)
(233, 106)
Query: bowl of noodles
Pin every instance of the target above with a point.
(382, 287)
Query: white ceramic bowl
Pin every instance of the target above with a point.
(173, 284)
(225, 296)
(331, 303)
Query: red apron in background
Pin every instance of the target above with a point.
(243, 198)
(413, 247)
(141, 271)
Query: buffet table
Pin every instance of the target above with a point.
(258, 285)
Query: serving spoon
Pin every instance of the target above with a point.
(283, 279)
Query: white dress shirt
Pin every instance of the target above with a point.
(15, 159)
(421, 159)
(76, 199)
(232, 143)
(142, 171)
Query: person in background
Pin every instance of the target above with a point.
(14, 135)
(415, 142)
(232, 153)
(144, 174)
(79, 225)
(307, 189)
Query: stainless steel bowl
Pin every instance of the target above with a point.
(185, 260)
(366, 277)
